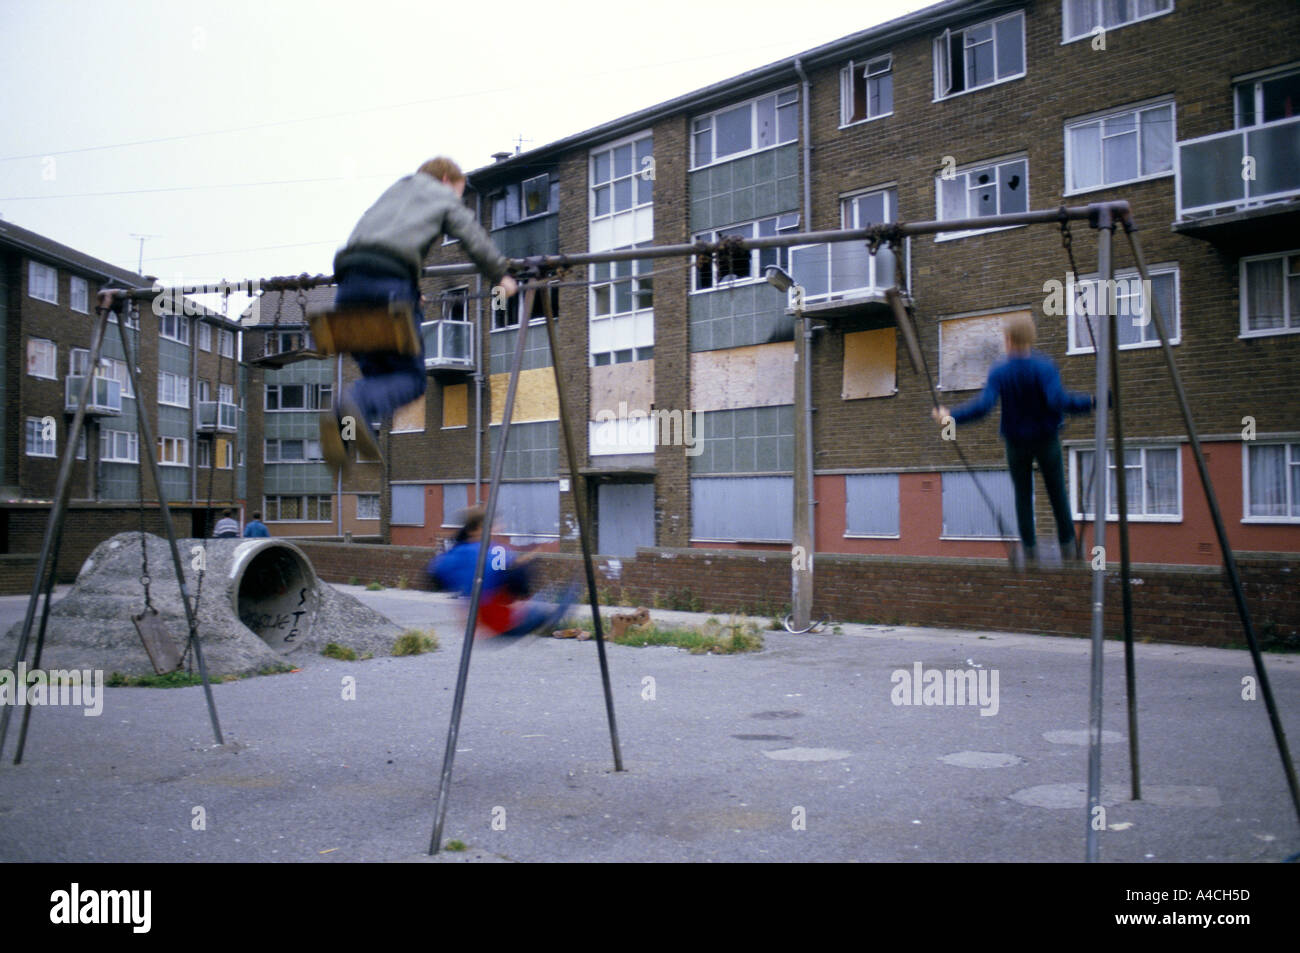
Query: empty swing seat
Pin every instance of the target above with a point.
(362, 329)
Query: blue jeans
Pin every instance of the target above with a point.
(388, 380)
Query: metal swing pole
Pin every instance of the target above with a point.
(485, 539)
(579, 486)
(147, 438)
(48, 560)
(1105, 225)
(1211, 500)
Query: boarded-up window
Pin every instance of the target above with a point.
(968, 347)
(870, 365)
(409, 418)
(871, 504)
(966, 513)
(731, 509)
(455, 405)
(529, 509)
(455, 501)
(408, 505)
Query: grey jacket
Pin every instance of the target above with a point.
(396, 232)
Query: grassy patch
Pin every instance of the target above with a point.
(179, 679)
(353, 581)
(340, 652)
(456, 845)
(718, 638)
(401, 582)
(415, 642)
(373, 587)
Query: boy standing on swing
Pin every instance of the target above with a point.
(379, 265)
(1034, 405)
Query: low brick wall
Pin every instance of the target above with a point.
(17, 572)
(1186, 604)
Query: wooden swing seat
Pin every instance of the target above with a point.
(364, 329)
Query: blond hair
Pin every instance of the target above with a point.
(443, 168)
(1020, 331)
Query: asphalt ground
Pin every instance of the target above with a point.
(800, 752)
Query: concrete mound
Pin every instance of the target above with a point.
(261, 604)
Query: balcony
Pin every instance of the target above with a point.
(218, 417)
(448, 346)
(105, 395)
(1241, 182)
(841, 278)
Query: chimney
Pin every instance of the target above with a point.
(500, 156)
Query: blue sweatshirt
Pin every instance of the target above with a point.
(1034, 403)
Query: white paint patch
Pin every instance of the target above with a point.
(1069, 795)
(807, 754)
(1122, 826)
(1069, 736)
(981, 759)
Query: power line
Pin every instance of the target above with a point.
(196, 188)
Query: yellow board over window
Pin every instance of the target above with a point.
(535, 399)
(455, 405)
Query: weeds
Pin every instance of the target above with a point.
(415, 642)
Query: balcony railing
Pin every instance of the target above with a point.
(448, 345)
(105, 395)
(1235, 170)
(841, 271)
(218, 416)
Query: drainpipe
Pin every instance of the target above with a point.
(338, 477)
(194, 424)
(479, 334)
(805, 515)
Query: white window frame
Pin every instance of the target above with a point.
(941, 58)
(45, 358)
(965, 170)
(203, 391)
(303, 507)
(42, 281)
(1098, 6)
(173, 458)
(311, 395)
(225, 342)
(179, 389)
(311, 452)
(1288, 306)
(1292, 460)
(618, 320)
(710, 118)
(35, 427)
(174, 327)
(1173, 322)
(785, 223)
(118, 371)
(864, 69)
(1257, 80)
(637, 171)
(203, 453)
(108, 446)
(1134, 516)
(79, 294)
(368, 497)
(205, 336)
(1099, 118)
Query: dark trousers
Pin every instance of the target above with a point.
(1020, 459)
(388, 381)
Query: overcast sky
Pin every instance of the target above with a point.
(245, 138)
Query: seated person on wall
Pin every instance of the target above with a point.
(226, 527)
(507, 582)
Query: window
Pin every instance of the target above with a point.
(79, 294)
(119, 446)
(173, 452)
(43, 282)
(455, 501)
(408, 505)
(620, 178)
(867, 90)
(1136, 326)
(81, 444)
(203, 391)
(1151, 478)
(745, 265)
(117, 370)
(174, 327)
(368, 506)
(41, 432)
(1270, 295)
(293, 451)
(994, 188)
(508, 317)
(298, 396)
(226, 343)
(205, 336)
(871, 505)
(861, 211)
(281, 342)
(297, 509)
(966, 512)
(737, 130)
(1267, 98)
(1272, 481)
(1082, 17)
(1120, 147)
(42, 358)
(748, 509)
(622, 312)
(980, 55)
(969, 345)
(203, 451)
(173, 389)
(226, 393)
(519, 202)
(225, 454)
(530, 510)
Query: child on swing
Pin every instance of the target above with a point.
(381, 264)
(1034, 405)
